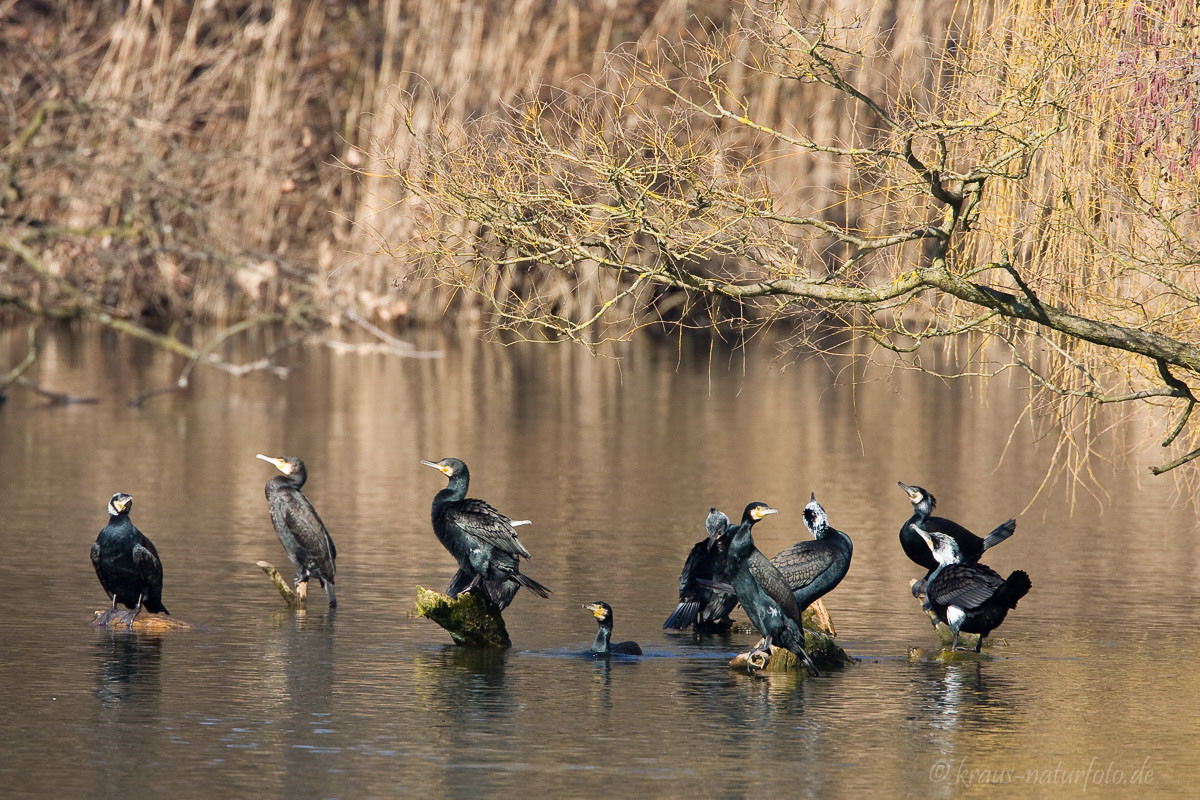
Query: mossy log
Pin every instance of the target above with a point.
(294, 597)
(967, 640)
(819, 643)
(470, 620)
(144, 622)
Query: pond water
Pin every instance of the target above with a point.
(616, 462)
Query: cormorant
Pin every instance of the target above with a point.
(482, 540)
(127, 564)
(813, 569)
(969, 597)
(970, 546)
(602, 647)
(300, 530)
(763, 592)
(706, 608)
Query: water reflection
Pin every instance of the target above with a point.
(127, 664)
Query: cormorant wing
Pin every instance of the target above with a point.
(772, 582)
(305, 524)
(97, 567)
(801, 563)
(478, 519)
(699, 564)
(967, 586)
(145, 558)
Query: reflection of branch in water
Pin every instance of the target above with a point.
(56, 398)
(16, 371)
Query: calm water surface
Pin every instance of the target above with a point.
(617, 464)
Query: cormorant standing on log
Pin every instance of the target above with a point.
(300, 530)
(763, 592)
(706, 608)
(970, 546)
(969, 597)
(603, 646)
(127, 565)
(482, 540)
(813, 569)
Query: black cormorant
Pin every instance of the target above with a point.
(970, 546)
(127, 564)
(603, 646)
(300, 530)
(763, 592)
(706, 608)
(813, 569)
(969, 597)
(482, 540)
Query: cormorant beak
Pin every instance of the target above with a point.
(597, 611)
(759, 513)
(278, 463)
(118, 505)
(714, 538)
(913, 495)
(439, 467)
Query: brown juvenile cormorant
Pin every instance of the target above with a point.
(763, 592)
(602, 646)
(482, 540)
(300, 530)
(969, 597)
(706, 608)
(813, 569)
(127, 564)
(970, 546)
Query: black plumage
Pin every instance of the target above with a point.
(482, 540)
(971, 547)
(969, 597)
(764, 594)
(127, 564)
(603, 644)
(300, 529)
(813, 569)
(700, 605)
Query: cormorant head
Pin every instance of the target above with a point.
(602, 612)
(447, 466)
(922, 500)
(717, 525)
(120, 504)
(292, 467)
(944, 548)
(814, 517)
(756, 511)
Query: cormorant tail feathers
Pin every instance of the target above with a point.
(532, 585)
(1013, 589)
(1002, 532)
(683, 617)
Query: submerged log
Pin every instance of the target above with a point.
(470, 620)
(294, 597)
(819, 643)
(144, 622)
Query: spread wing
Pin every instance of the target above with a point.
(305, 524)
(700, 564)
(801, 563)
(772, 582)
(967, 586)
(478, 519)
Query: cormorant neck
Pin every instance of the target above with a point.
(601, 644)
(456, 489)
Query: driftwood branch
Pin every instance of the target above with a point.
(819, 643)
(294, 597)
(144, 622)
(469, 619)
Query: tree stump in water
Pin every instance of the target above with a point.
(294, 597)
(470, 620)
(144, 622)
(819, 643)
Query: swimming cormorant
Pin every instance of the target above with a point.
(813, 569)
(127, 564)
(969, 597)
(706, 608)
(970, 546)
(602, 646)
(482, 540)
(763, 592)
(300, 530)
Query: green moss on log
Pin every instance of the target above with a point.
(825, 652)
(469, 619)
